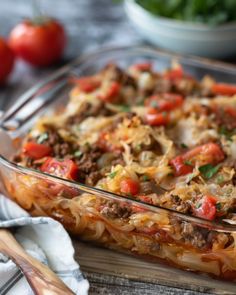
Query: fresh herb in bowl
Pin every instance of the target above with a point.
(211, 12)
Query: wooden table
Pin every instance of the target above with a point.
(90, 24)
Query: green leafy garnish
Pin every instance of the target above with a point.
(78, 154)
(198, 205)
(113, 174)
(184, 146)
(146, 177)
(212, 12)
(218, 206)
(124, 108)
(189, 163)
(208, 170)
(42, 137)
(226, 132)
(138, 147)
(154, 104)
(220, 179)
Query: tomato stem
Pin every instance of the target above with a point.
(38, 16)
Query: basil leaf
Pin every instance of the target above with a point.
(208, 170)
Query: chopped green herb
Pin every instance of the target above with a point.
(208, 170)
(138, 147)
(154, 104)
(164, 114)
(198, 205)
(78, 154)
(125, 108)
(220, 179)
(218, 206)
(189, 163)
(42, 137)
(146, 177)
(113, 174)
(184, 146)
(226, 132)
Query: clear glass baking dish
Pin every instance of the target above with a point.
(147, 230)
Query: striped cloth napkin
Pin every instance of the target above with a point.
(46, 240)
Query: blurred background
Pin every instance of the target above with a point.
(89, 23)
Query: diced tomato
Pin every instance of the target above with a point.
(154, 118)
(209, 153)
(64, 169)
(175, 73)
(180, 167)
(206, 208)
(224, 89)
(129, 186)
(36, 151)
(87, 84)
(111, 93)
(145, 66)
(165, 102)
(230, 111)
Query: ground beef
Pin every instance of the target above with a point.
(113, 73)
(224, 118)
(150, 187)
(89, 110)
(61, 148)
(87, 163)
(193, 235)
(115, 210)
(179, 205)
(93, 178)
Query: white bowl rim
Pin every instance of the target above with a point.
(181, 24)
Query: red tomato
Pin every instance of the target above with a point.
(209, 153)
(87, 84)
(39, 44)
(6, 60)
(64, 169)
(230, 111)
(206, 208)
(174, 74)
(180, 167)
(144, 67)
(129, 186)
(111, 92)
(154, 118)
(165, 102)
(224, 89)
(36, 151)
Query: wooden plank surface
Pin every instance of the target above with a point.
(108, 262)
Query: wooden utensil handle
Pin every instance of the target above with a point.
(42, 280)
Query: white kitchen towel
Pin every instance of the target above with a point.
(46, 240)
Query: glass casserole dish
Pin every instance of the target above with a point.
(152, 231)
